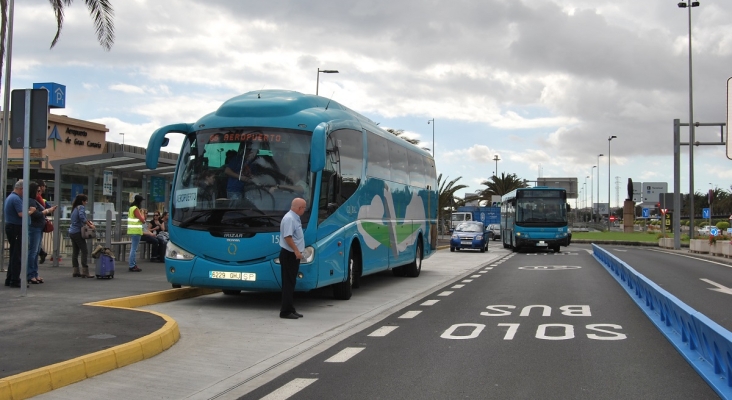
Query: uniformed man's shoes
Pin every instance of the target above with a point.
(297, 314)
(289, 316)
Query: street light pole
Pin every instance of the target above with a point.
(433, 136)
(689, 5)
(123, 141)
(496, 159)
(608, 180)
(325, 71)
(592, 193)
(598, 184)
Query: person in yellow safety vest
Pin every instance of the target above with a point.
(135, 221)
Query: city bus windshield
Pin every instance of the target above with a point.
(545, 208)
(241, 179)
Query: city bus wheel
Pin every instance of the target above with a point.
(344, 290)
(415, 267)
(398, 271)
(231, 292)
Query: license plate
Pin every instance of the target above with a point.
(238, 276)
(541, 243)
(466, 242)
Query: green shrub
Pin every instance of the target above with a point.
(723, 225)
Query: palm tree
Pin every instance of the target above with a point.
(501, 185)
(399, 132)
(446, 195)
(100, 10)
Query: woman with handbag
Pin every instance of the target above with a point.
(78, 243)
(35, 233)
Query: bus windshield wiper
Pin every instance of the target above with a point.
(190, 220)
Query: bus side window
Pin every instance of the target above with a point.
(329, 182)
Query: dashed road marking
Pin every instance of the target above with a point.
(410, 314)
(445, 293)
(475, 276)
(457, 286)
(290, 389)
(345, 354)
(383, 331)
(429, 303)
(467, 281)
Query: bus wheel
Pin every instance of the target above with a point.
(415, 267)
(231, 292)
(556, 249)
(398, 271)
(344, 290)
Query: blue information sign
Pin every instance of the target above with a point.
(646, 213)
(705, 213)
(56, 94)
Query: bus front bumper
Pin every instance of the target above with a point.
(542, 243)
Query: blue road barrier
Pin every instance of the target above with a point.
(705, 345)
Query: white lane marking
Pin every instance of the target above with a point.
(694, 258)
(467, 281)
(445, 293)
(410, 314)
(620, 250)
(429, 303)
(383, 331)
(482, 272)
(345, 354)
(719, 288)
(488, 268)
(291, 388)
(457, 286)
(475, 276)
(494, 265)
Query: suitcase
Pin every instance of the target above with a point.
(105, 267)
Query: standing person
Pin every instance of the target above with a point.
(135, 222)
(39, 198)
(13, 209)
(35, 233)
(293, 244)
(78, 243)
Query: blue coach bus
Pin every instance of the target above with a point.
(534, 218)
(371, 196)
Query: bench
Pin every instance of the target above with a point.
(120, 249)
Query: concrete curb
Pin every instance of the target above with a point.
(45, 379)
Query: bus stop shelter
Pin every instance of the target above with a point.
(105, 177)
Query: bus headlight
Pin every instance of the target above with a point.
(176, 253)
(522, 234)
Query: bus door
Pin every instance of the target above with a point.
(330, 232)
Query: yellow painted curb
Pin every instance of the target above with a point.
(42, 380)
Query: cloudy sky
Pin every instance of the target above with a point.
(540, 83)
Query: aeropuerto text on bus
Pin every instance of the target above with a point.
(371, 196)
(534, 218)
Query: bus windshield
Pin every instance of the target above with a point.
(241, 180)
(541, 210)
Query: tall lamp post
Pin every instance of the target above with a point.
(496, 159)
(592, 193)
(598, 185)
(433, 138)
(689, 5)
(324, 71)
(610, 138)
(123, 140)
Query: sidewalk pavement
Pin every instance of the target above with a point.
(51, 324)
(51, 339)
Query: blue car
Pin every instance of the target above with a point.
(469, 235)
